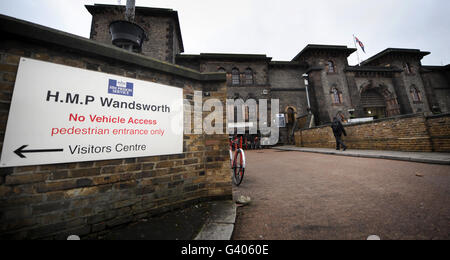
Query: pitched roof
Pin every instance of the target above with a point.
(395, 50)
(311, 47)
(435, 68)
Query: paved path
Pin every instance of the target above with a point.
(315, 196)
(435, 158)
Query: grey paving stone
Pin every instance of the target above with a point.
(216, 231)
(422, 157)
(223, 212)
(220, 224)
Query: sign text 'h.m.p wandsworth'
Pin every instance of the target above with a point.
(77, 99)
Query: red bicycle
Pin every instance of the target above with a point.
(237, 160)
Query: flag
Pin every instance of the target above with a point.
(360, 44)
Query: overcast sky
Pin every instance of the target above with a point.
(277, 28)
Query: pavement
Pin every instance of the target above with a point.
(422, 157)
(204, 221)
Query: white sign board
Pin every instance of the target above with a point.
(281, 120)
(360, 120)
(61, 114)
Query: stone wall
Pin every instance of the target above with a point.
(322, 81)
(288, 86)
(88, 198)
(437, 87)
(405, 81)
(402, 133)
(259, 69)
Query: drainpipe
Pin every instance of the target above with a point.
(305, 77)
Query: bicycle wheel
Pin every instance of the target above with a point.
(239, 166)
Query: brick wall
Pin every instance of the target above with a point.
(288, 86)
(88, 198)
(439, 129)
(437, 87)
(402, 133)
(259, 69)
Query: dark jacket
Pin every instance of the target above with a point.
(338, 128)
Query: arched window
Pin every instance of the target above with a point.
(248, 76)
(221, 70)
(235, 77)
(408, 68)
(331, 67)
(416, 94)
(337, 96)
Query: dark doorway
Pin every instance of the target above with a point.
(374, 104)
(290, 115)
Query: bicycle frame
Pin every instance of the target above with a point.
(239, 151)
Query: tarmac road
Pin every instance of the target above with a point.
(307, 196)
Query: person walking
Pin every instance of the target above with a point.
(338, 130)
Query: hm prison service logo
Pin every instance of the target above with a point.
(120, 88)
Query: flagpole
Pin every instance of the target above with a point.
(357, 52)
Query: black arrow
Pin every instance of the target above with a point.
(20, 152)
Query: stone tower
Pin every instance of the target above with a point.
(161, 26)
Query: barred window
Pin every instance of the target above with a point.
(331, 67)
(408, 68)
(337, 96)
(235, 77)
(416, 94)
(248, 76)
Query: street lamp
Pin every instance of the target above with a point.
(125, 33)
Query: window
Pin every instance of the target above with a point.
(331, 67)
(408, 68)
(416, 95)
(221, 70)
(337, 96)
(235, 77)
(248, 76)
